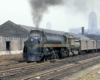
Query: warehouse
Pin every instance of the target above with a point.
(12, 37)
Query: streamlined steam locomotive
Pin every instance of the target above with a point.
(50, 44)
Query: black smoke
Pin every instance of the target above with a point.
(41, 6)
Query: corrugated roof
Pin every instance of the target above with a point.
(41, 29)
(27, 27)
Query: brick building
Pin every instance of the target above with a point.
(12, 37)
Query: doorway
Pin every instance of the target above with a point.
(8, 45)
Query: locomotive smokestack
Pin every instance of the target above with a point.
(82, 30)
(41, 6)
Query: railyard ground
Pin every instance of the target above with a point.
(82, 74)
(16, 58)
(12, 56)
(6, 59)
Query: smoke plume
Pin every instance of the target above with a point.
(79, 5)
(41, 6)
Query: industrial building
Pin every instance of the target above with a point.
(12, 37)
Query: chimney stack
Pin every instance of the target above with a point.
(82, 30)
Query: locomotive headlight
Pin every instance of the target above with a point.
(31, 40)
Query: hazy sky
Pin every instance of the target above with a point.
(72, 14)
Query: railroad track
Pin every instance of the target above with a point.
(60, 72)
(34, 68)
(17, 71)
(15, 65)
(9, 62)
(61, 75)
(12, 66)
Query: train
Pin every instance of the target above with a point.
(43, 44)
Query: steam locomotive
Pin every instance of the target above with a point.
(49, 44)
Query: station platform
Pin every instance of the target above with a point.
(91, 73)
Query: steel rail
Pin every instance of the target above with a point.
(58, 69)
(11, 74)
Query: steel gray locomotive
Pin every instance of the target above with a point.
(50, 44)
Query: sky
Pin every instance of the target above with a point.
(71, 14)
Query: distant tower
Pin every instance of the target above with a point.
(92, 24)
(48, 25)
